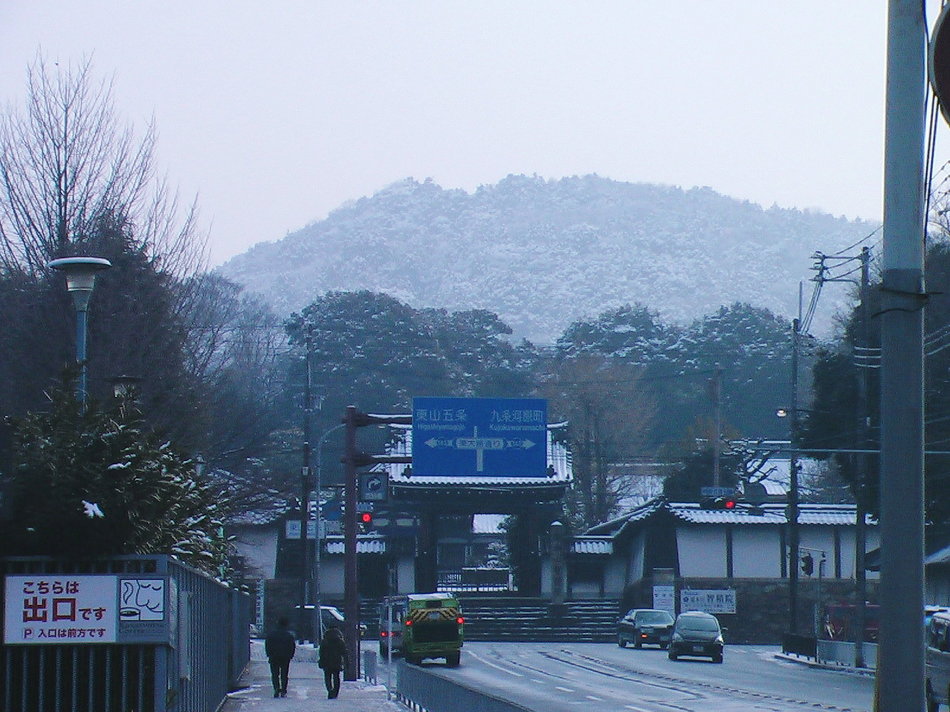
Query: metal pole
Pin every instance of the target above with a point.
(792, 514)
(389, 649)
(901, 665)
(318, 486)
(350, 592)
(82, 318)
(717, 397)
(306, 570)
(860, 490)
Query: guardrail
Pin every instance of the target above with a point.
(839, 652)
(795, 644)
(424, 692)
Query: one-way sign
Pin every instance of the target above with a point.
(497, 437)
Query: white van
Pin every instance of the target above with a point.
(938, 661)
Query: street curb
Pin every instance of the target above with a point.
(811, 662)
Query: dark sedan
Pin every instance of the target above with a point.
(645, 626)
(696, 634)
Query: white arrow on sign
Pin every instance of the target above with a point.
(441, 442)
(520, 443)
(479, 445)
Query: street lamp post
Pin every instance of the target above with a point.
(305, 483)
(318, 485)
(80, 280)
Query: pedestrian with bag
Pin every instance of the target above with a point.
(280, 648)
(333, 656)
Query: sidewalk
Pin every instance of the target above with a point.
(305, 692)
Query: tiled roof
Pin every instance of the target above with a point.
(941, 556)
(592, 545)
(371, 544)
(743, 515)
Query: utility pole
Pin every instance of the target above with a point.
(351, 602)
(353, 458)
(860, 490)
(792, 510)
(901, 672)
(717, 436)
(306, 571)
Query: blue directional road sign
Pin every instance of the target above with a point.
(479, 437)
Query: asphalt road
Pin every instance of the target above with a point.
(562, 677)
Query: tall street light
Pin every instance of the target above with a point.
(318, 485)
(80, 280)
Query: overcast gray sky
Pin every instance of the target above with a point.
(276, 113)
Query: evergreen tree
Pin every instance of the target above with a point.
(95, 483)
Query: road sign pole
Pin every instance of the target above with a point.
(350, 593)
(901, 663)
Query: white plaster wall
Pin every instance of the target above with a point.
(822, 538)
(258, 546)
(756, 552)
(702, 552)
(546, 586)
(615, 577)
(815, 540)
(635, 560)
(331, 576)
(406, 574)
(585, 589)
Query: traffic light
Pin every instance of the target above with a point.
(365, 520)
(808, 564)
(720, 503)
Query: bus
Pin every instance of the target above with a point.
(422, 625)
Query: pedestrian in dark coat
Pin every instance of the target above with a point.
(332, 660)
(280, 648)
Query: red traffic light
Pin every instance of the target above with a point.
(728, 503)
(365, 517)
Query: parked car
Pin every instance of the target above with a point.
(696, 634)
(938, 660)
(645, 626)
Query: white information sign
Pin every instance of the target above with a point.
(664, 598)
(49, 609)
(292, 529)
(52, 608)
(711, 601)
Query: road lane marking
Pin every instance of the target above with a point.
(563, 689)
(593, 697)
(497, 667)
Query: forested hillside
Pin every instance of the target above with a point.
(542, 254)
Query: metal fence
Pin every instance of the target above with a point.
(423, 692)
(197, 641)
(795, 644)
(840, 652)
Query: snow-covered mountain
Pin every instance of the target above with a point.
(543, 253)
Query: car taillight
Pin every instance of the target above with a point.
(383, 634)
(460, 620)
(408, 621)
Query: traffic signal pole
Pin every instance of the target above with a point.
(353, 458)
(901, 664)
(351, 607)
(793, 495)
